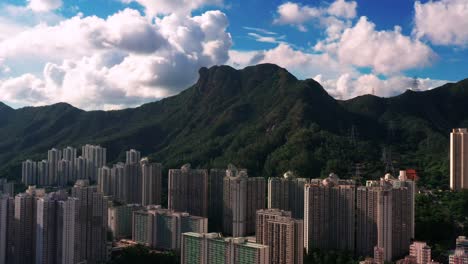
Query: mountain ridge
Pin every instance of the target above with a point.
(261, 117)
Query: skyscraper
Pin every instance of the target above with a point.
(43, 173)
(46, 227)
(29, 172)
(162, 228)
(188, 190)
(68, 230)
(329, 209)
(133, 183)
(104, 180)
(133, 156)
(287, 193)
(383, 218)
(283, 234)
(151, 174)
(6, 228)
(215, 198)
(70, 154)
(81, 170)
(64, 172)
(208, 248)
(120, 220)
(92, 222)
(459, 159)
(118, 182)
(96, 157)
(25, 225)
(243, 196)
(53, 157)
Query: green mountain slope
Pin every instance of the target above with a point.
(261, 118)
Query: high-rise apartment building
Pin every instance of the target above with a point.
(70, 154)
(287, 193)
(68, 229)
(6, 228)
(283, 234)
(81, 170)
(215, 198)
(120, 220)
(96, 158)
(64, 172)
(92, 222)
(53, 157)
(208, 248)
(329, 214)
(43, 173)
(104, 181)
(133, 183)
(459, 159)
(242, 196)
(151, 174)
(46, 227)
(119, 183)
(188, 190)
(133, 156)
(25, 225)
(7, 187)
(29, 172)
(383, 218)
(162, 228)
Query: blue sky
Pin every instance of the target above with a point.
(108, 54)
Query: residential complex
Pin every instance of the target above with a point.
(202, 248)
(162, 228)
(460, 255)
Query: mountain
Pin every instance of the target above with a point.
(261, 118)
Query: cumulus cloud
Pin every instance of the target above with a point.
(44, 5)
(165, 7)
(346, 86)
(134, 60)
(303, 64)
(341, 8)
(443, 22)
(385, 52)
(298, 15)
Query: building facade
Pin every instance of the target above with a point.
(459, 159)
(287, 193)
(188, 190)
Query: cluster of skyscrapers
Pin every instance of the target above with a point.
(42, 228)
(265, 221)
(63, 167)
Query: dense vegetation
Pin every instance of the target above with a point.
(142, 255)
(440, 218)
(261, 118)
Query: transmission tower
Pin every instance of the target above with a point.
(415, 84)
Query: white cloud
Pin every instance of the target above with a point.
(302, 64)
(165, 7)
(298, 15)
(386, 52)
(261, 30)
(267, 39)
(443, 22)
(44, 5)
(294, 14)
(123, 60)
(341, 8)
(347, 86)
